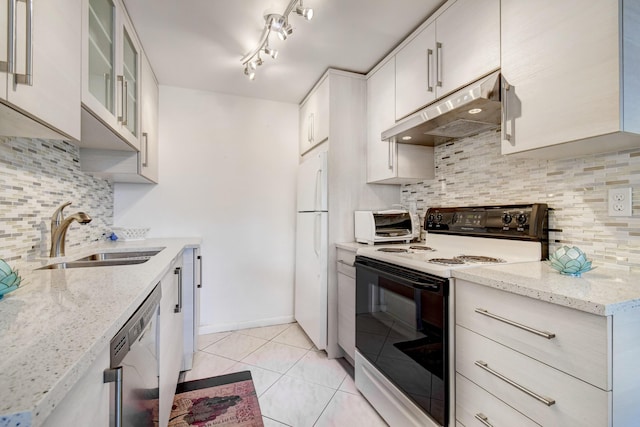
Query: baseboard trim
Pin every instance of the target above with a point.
(236, 326)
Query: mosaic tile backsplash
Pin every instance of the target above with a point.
(37, 176)
(472, 171)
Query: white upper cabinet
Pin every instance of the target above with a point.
(111, 77)
(572, 79)
(387, 161)
(149, 123)
(461, 45)
(314, 118)
(40, 68)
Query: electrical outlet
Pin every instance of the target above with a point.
(620, 201)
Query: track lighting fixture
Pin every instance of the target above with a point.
(278, 24)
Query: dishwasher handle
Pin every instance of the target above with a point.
(115, 376)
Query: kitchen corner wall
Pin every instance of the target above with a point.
(37, 176)
(472, 171)
(227, 174)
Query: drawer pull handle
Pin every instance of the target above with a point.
(348, 264)
(483, 419)
(547, 401)
(547, 335)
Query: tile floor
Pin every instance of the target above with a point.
(296, 384)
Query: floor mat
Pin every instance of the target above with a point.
(226, 400)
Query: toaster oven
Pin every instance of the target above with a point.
(395, 225)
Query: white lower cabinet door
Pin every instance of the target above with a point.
(477, 408)
(546, 395)
(310, 308)
(170, 339)
(88, 402)
(347, 308)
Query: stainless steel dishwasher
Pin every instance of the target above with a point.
(134, 367)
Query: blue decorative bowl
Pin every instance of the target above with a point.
(9, 279)
(570, 261)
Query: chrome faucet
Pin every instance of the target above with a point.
(59, 227)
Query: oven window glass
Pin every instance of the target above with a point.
(401, 331)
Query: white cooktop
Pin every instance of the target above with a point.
(449, 246)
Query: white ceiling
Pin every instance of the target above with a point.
(198, 44)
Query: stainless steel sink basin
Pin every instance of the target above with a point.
(104, 256)
(105, 259)
(103, 263)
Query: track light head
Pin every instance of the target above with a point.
(305, 12)
(285, 31)
(271, 52)
(251, 74)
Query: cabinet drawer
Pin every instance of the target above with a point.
(581, 345)
(345, 262)
(472, 403)
(347, 313)
(571, 402)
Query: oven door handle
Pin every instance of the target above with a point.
(399, 279)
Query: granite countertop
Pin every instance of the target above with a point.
(56, 324)
(602, 291)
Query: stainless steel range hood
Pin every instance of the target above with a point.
(470, 110)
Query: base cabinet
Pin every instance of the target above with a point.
(170, 337)
(346, 302)
(519, 358)
(88, 402)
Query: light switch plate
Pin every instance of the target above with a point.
(620, 202)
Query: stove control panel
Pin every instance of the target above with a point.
(527, 222)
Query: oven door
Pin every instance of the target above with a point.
(402, 331)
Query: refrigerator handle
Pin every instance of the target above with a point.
(318, 192)
(316, 234)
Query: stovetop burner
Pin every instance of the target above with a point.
(446, 261)
(396, 250)
(480, 259)
(422, 248)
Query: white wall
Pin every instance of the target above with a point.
(228, 174)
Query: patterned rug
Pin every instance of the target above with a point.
(226, 400)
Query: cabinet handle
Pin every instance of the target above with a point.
(27, 78)
(200, 267)
(178, 308)
(505, 103)
(389, 160)
(121, 83)
(125, 102)
(547, 401)
(145, 157)
(439, 64)
(429, 55)
(543, 334)
(483, 419)
(8, 65)
(115, 376)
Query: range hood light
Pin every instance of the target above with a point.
(406, 138)
(475, 111)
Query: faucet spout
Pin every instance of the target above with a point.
(59, 227)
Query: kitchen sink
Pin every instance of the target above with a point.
(107, 256)
(103, 263)
(105, 259)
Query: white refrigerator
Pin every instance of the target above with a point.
(310, 309)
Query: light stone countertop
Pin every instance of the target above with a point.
(351, 246)
(602, 291)
(58, 321)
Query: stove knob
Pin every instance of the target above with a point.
(522, 219)
(507, 218)
(439, 217)
(431, 218)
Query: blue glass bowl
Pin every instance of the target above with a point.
(570, 261)
(9, 279)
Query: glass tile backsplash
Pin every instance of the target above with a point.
(36, 176)
(472, 171)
